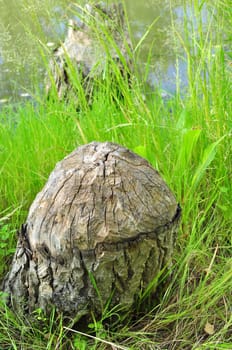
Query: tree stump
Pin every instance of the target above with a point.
(100, 230)
(94, 40)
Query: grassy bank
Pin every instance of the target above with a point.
(188, 139)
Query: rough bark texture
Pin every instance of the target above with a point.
(99, 36)
(102, 227)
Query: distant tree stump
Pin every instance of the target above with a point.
(102, 228)
(94, 40)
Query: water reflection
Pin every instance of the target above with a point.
(25, 24)
(160, 44)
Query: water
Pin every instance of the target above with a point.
(27, 26)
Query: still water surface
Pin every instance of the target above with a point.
(29, 26)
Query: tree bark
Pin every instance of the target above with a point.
(101, 229)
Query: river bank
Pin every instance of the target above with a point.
(187, 138)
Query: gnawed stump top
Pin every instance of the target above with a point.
(101, 194)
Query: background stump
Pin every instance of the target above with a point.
(102, 228)
(97, 45)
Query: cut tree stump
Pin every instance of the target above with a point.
(97, 38)
(101, 229)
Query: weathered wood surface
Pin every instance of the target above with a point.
(106, 215)
(97, 37)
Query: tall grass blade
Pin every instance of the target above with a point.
(206, 159)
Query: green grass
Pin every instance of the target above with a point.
(188, 139)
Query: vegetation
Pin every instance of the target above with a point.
(188, 139)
